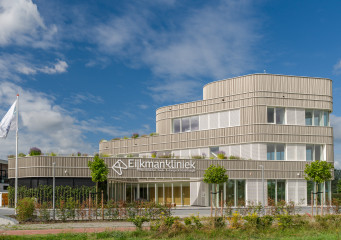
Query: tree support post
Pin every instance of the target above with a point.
(102, 207)
(89, 205)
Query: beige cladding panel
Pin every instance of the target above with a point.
(41, 166)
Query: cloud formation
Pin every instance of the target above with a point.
(46, 125)
(21, 24)
(212, 41)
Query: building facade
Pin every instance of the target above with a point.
(267, 122)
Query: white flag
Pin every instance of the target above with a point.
(8, 119)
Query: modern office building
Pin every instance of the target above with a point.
(274, 123)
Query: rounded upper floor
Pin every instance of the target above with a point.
(271, 83)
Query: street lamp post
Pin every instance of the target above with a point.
(54, 190)
(263, 196)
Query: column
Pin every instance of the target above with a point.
(172, 193)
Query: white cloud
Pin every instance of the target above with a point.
(12, 65)
(213, 41)
(59, 67)
(79, 98)
(337, 67)
(46, 125)
(21, 24)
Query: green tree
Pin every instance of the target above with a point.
(99, 171)
(215, 175)
(318, 172)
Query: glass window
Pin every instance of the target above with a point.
(271, 118)
(240, 192)
(185, 126)
(194, 123)
(318, 152)
(280, 190)
(271, 152)
(326, 118)
(308, 117)
(317, 118)
(214, 151)
(309, 152)
(176, 125)
(310, 188)
(279, 151)
(230, 192)
(280, 115)
(271, 192)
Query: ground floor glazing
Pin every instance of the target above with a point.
(234, 192)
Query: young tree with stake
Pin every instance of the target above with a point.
(215, 175)
(99, 171)
(318, 172)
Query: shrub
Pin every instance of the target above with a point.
(153, 154)
(253, 221)
(25, 209)
(114, 139)
(44, 213)
(188, 221)
(34, 151)
(71, 208)
(285, 221)
(135, 135)
(138, 221)
(153, 134)
(11, 156)
(197, 222)
(79, 154)
(236, 220)
(22, 155)
(219, 222)
(197, 157)
(62, 211)
(52, 154)
(125, 137)
(221, 155)
(234, 157)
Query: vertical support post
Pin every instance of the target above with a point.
(163, 193)
(182, 203)
(102, 206)
(211, 203)
(312, 204)
(89, 205)
(172, 194)
(54, 191)
(156, 195)
(263, 197)
(16, 156)
(322, 197)
(222, 203)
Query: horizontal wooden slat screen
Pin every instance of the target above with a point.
(41, 166)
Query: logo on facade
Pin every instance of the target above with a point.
(118, 166)
(143, 165)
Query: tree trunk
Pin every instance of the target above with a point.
(96, 195)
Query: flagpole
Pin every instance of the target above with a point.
(16, 155)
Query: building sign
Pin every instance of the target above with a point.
(160, 165)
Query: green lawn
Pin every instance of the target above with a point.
(306, 233)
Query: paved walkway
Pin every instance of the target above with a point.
(4, 219)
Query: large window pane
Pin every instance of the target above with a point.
(271, 118)
(230, 193)
(271, 192)
(280, 190)
(310, 188)
(176, 125)
(270, 152)
(240, 192)
(280, 152)
(308, 117)
(325, 118)
(214, 151)
(317, 118)
(318, 152)
(309, 152)
(280, 115)
(185, 126)
(194, 123)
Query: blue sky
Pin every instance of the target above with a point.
(91, 70)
